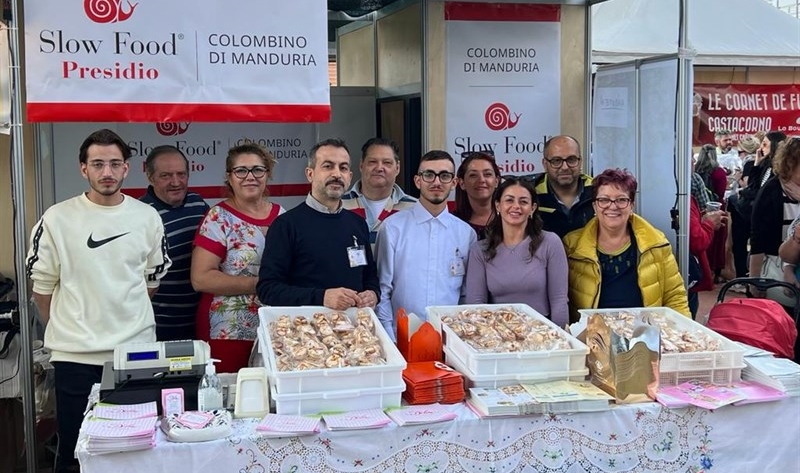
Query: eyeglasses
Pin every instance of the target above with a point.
(242, 172)
(115, 165)
(445, 177)
(619, 202)
(556, 162)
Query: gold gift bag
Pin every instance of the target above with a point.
(624, 368)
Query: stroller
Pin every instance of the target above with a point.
(762, 323)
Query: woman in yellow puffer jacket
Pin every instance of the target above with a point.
(618, 259)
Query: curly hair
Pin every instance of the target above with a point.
(494, 229)
(787, 158)
(615, 177)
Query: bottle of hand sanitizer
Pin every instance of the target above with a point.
(209, 394)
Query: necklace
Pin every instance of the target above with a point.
(512, 249)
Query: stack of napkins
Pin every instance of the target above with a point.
(421, 414)
(429, 382)
(356, 420)
(279, 425)
(120, 428)
(778, 373)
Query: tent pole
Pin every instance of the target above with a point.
(683, 144)
(20, 237)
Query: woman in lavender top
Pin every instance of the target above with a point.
(518, 262)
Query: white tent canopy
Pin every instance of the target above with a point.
(722, 32)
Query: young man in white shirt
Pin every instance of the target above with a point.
(95, 260)
(422, 253)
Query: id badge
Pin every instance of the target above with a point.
(457, 266)
(357, 256)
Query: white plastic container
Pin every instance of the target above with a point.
(342, 400)
(721, 366)
(328, 380)
(495, 381)
(501, 363)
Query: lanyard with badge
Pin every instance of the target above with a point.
(356, 254)
(457, 265)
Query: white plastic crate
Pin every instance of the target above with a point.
(495, 381)
(337, 400)
(497, 363)
(327, 380)
(723, 366)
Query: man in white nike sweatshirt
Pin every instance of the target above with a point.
(94, 260)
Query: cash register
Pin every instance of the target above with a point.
(141, 370)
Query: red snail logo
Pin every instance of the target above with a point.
(172, 128)
(498, 117)
(107, 11)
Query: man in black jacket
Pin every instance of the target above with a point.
(563, 191)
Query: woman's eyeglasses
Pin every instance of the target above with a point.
(619, 202)
(445, 177)
(241, 172)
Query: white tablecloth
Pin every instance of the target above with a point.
(635, 438)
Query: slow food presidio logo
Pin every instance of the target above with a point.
(498, 117)
(172, 128)
(108, 11)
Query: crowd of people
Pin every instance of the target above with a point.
(746, 202)
(168, 267)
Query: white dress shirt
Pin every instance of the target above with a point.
(421, 260)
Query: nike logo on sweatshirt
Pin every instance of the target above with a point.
(91, 243)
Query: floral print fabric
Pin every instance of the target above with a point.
(239, 241)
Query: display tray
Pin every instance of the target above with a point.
(721, 366)
(327, 380)
(501, 363)
(473, 380)
(343, 400)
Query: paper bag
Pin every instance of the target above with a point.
(624, 368)
(417, 340)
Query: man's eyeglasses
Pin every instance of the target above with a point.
(445, 177)
(115, 165)
(619, 202)
(556, 162)
(241, 172)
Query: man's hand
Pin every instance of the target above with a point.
(340, 298)
(367, 299)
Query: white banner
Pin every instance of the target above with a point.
(205, 146)
(177, 60)
(503, 81)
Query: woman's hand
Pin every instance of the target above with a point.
(759, 157)
(717, 218)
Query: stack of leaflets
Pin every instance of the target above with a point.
(279, 425)
(556, 397)
(561, 397)
(421, 414)
(429, 382)
(356, 420)
(711, 396)
(697, 393)
(511, 400)
(778, 373)
(120, 428)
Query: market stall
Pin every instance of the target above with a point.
(639, 438)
